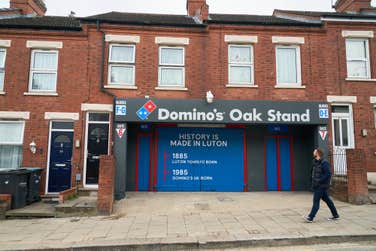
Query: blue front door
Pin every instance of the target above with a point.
(59, 178)
(279, 165)
(143, 162)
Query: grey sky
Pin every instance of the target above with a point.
(260, 7)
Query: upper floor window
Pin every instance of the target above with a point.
(357, 57)
(288, 65)
(11, 140)
(122, 65)
(171, 67)
(2, 68)
(43, 71)
(240, 64)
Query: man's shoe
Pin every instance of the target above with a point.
(308, 219)
(334, 218)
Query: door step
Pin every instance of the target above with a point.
(49, 207)
(35, 210)
(82, 206)
(50, 198)
(88, 192)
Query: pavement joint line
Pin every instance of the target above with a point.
(205, 243)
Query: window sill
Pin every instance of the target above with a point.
(361, 79)
(52, 94)
(171, 88)
(2, 93)
(290, 87)
(241, 86)
(124, 87)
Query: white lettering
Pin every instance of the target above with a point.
(278, 116)
(236, 115)
(306, 117)
(163, 114)
(194, 115)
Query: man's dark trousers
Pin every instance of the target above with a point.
(321, 193)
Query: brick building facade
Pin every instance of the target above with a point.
(127, 84)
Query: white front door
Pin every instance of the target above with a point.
(343, 136)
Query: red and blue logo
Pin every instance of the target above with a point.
(144, 112)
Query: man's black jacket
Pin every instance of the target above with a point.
(321, 174)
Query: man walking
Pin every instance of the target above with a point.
(321, 176)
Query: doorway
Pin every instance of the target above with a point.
(97, 143)
(60, 156)
(343, 136)
(143, 162)
(279, 163)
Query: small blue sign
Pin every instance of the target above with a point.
(143, 113)
(324, 113)
(120, 110)
(278, 128)
(145, 127)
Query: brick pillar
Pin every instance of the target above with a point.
(357, 176)
(106, 184)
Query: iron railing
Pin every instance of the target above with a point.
(339, 165)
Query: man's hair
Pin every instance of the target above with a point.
(320, 152)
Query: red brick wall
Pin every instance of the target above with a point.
(323, 60)
(72, 89)
(147, 63)
(357, 176)
(336, 71)
(352, 5)
(29, 6)
(106, 184)
(194, 5)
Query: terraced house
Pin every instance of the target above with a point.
(195, 102)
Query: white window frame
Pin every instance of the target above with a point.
(298, 66)
(32, 71)
(14, 122)
(374, 114)
(349, 117)
(21, 142)
(129, 64)
(2, 68)
(171, 66)
(250, 65)
(367, 59)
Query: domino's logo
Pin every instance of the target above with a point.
(144, 112)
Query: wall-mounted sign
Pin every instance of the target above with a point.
(223, 111)
(120, 130)
(277, 128)
(323, 131)
(120, 108)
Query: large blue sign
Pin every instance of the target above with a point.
(200, 159)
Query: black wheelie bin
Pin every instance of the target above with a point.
(15, 182)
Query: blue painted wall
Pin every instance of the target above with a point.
(200, 159)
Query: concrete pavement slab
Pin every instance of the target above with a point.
(175, 220)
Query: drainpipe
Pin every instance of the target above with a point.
(120, 144)
(102, 75)
(102, 61)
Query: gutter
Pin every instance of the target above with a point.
(39, 27)
(141, 23)
(264, 23)
(349, 19)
